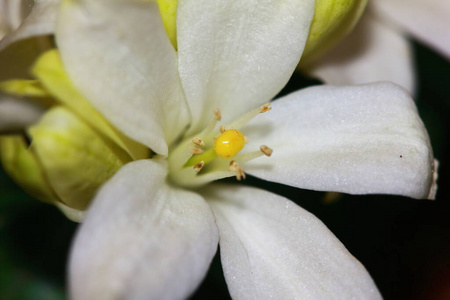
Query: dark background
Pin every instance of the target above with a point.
(404, 243)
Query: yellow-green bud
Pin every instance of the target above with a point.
(23, 166)
(168, 10)
(333, 19)
(75, 159)
(73, 149)
(66, 162)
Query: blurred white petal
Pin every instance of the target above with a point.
(426, 20)
(26, 38)
(142, 239)
(374, 51)
(12, 13)
(17, 113)
(273, 249)
(40, 21)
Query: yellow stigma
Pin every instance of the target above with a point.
(229, 143)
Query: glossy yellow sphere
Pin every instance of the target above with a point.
(229, 143)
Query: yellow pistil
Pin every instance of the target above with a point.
(229, 143)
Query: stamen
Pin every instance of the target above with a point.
(264, 108)
(244, 119)
(222, 128)
(197, 168)
(198, 141)
(242, 158)
(246, 140)
(208, 130)
(234, 167)
(196, 151)
(266, 150)
(218, 114)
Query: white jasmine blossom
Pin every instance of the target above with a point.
(153, 229)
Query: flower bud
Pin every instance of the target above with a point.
(24, 168)
(333, 19)
(168, 10)
(75, 159)
(71, 150)
(66, 162)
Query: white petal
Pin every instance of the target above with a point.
(12, 13)
(373, 52)
(273, 249)
(118, 55)
(142, 239)
(354, 139)
(17, 113)
(236, 55)
(40, 21)
(26, 39)
(427, 20)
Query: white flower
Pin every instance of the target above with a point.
(21, 19)
(378, 48)
(153, 229)
(23, 26)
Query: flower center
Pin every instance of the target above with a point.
(214, 153)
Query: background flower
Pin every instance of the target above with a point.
(24, 34)
(380, 49)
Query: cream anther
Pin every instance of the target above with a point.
(218, 114)
(264, 108)
(197, 167)
(198, 141)
(266, 150)
(195, 150)
(234, 167)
